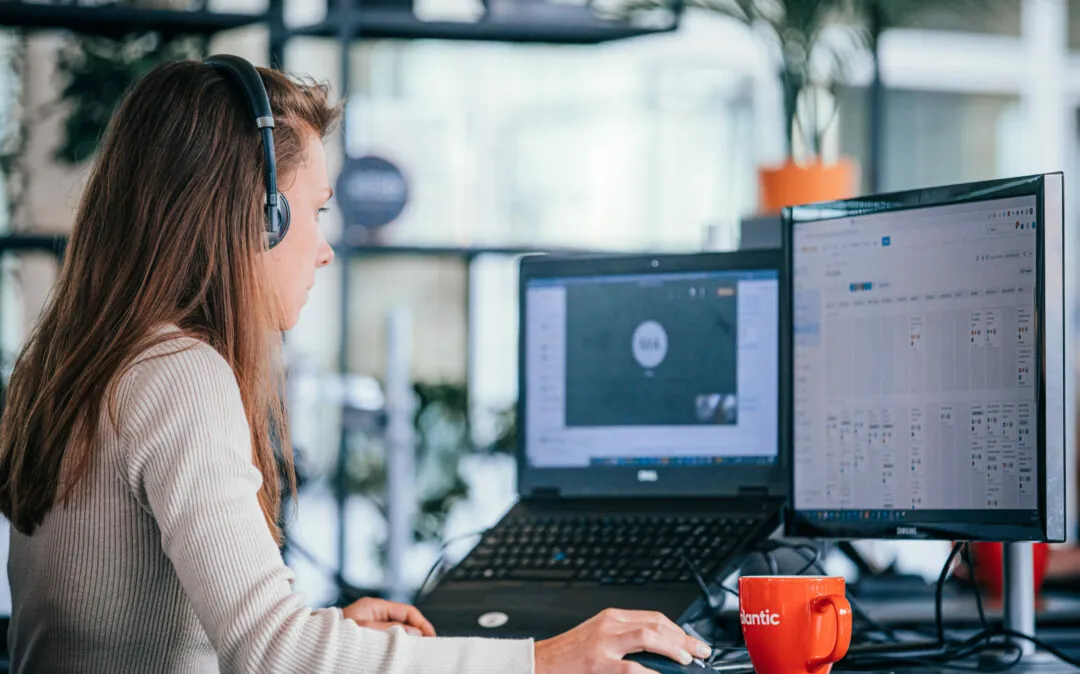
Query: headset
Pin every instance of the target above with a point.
(247, 77)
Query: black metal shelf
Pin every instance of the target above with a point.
(467, 252)
(15, 242)
(19, 242)
(116, 21)
(390, 24)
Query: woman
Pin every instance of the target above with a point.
(136, 463)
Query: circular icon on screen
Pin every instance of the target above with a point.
(492, 620)
(650, 344)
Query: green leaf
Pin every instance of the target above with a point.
(95, 73)
(799, 28)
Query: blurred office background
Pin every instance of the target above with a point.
(542, 124)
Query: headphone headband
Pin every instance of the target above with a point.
(247, 77)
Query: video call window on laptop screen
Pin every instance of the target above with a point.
(660, 369)
(916, 388)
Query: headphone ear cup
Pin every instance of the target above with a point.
(278, 221)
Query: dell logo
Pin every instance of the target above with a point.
(907, 531)
(647, 476)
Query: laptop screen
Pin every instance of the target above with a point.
(660, 369)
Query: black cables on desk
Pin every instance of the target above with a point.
(993, 648)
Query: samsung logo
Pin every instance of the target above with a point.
(647, 476)
(907, 531)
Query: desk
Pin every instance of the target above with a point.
(915, 610)
(1037, 668)
(959, 609)
(1058, 625)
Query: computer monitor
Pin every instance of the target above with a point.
(927, 385)
(652, 374)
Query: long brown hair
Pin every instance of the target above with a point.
(169, 231)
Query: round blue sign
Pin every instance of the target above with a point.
(371, 192)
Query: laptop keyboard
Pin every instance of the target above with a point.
(605, 550)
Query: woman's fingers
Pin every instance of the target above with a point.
(384, 626)
(647, 638)
(410, 615)
(668, 632)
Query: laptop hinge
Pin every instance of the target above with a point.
(545, 492)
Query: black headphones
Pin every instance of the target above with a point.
(245, 74)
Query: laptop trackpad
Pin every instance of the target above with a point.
(520, 599)
(516, 612)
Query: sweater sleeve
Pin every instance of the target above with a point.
(189, 463)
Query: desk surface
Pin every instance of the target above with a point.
(1041, 663)
(1058, 625)
(1057, 609)
(916, 610)
(1054, 667)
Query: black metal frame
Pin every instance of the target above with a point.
(117, 21)
(376, 23)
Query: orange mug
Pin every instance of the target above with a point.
(794, 624)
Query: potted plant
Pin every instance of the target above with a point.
(96, 72)
(443, 442)
(812, 43)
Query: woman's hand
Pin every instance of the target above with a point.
(598, 645)
(379, 614)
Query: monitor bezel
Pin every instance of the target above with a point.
(1049, 322)
(670, 481)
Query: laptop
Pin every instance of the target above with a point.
(649, 441)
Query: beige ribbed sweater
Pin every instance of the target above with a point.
(166, 564)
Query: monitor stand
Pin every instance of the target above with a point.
(1019, 608)
(1019, 570)
(1018, 613)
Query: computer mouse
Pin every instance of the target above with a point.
(665, 665)
(662, 665)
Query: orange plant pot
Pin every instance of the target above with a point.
(794, 184)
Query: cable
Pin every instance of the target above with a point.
(939, 642)
(948, 657)
(950, 653)
(813, 562)
(1039, 643)
(770, 561)
(724, 654)
(945, 661)
(967, 559)
(427, 577)
(939, 590)
(711, 601)
(721, 657)
(954, 651)
(991, 632)
(442, 557)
